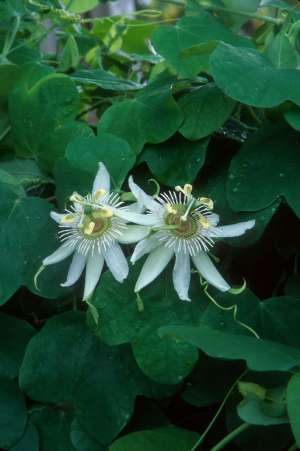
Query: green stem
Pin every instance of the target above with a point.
(231, 436)
(241, 13)
(11, 37)
(202, 437)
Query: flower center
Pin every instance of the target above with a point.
(187, 227)
(95, 223)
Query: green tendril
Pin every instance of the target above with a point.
(36, 276)
(233, 308)
(157, 187)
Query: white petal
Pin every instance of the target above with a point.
(137, 218)
(133, 234)
(213, 219)
(93, 271)
(153, 266)
(60, 254)
(232, 230)
(75, 270)
(182, 275)
(57, 217)
(135, 207)
(144, 247)
(116, 262)
(145, 199)
(208, 270)
(102, 179)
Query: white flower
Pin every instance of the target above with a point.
(91, 231)
(184, 227)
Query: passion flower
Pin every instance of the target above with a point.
(185, 227)
(91, 230)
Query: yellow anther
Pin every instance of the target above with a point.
(68, 219)
(76, 197)
(88, 230)
(107, 212)
(170, 209)
(100, 193)
(207, 201)
(205, 223)
(186, 190)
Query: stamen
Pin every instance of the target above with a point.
(205, 223)
(186, 190)
(170, 209)
(107, 212)
(76, 197)
(99, 193)
(207, 201)
(88, 230)
(68, 219)
(184, 217)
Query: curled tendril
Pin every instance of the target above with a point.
(36, 276)
(157, 187)
(233, 308)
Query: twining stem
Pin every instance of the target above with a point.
(241, 13)
(202, 437)
(231, 436)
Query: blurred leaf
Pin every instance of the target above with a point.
(156, 440)
(271, 181)
(293, 405)
(248, 77)
(13, 413)
(80, 6)
(153, 116)
(171, 41)
(14, 337)
(105, 80)
(29, 441)
(281, 53)
(26, 172)
(43, 106)
(95, 382)
(76, 172)
(70, 56)
(163, 359)
(204, 111)
(177, 161)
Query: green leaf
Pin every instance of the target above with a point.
(13, 413)
(29, 441)
(281, 53)
(70, 56)
(249, 77)
(164, 360)
(214, 187)
(80, 6)
(8, 75)
(82, 441)
(53, 427)
(260, 355)
(78, 169)
(170, 41)
(153, 116)
(14, 337)
(293, 405)
(204, 111)
(26, 172)
(292, 116)
(96, 382)
(156, 440)
(177, 161)
(105, 80)
(271, 181)
(42, 108)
